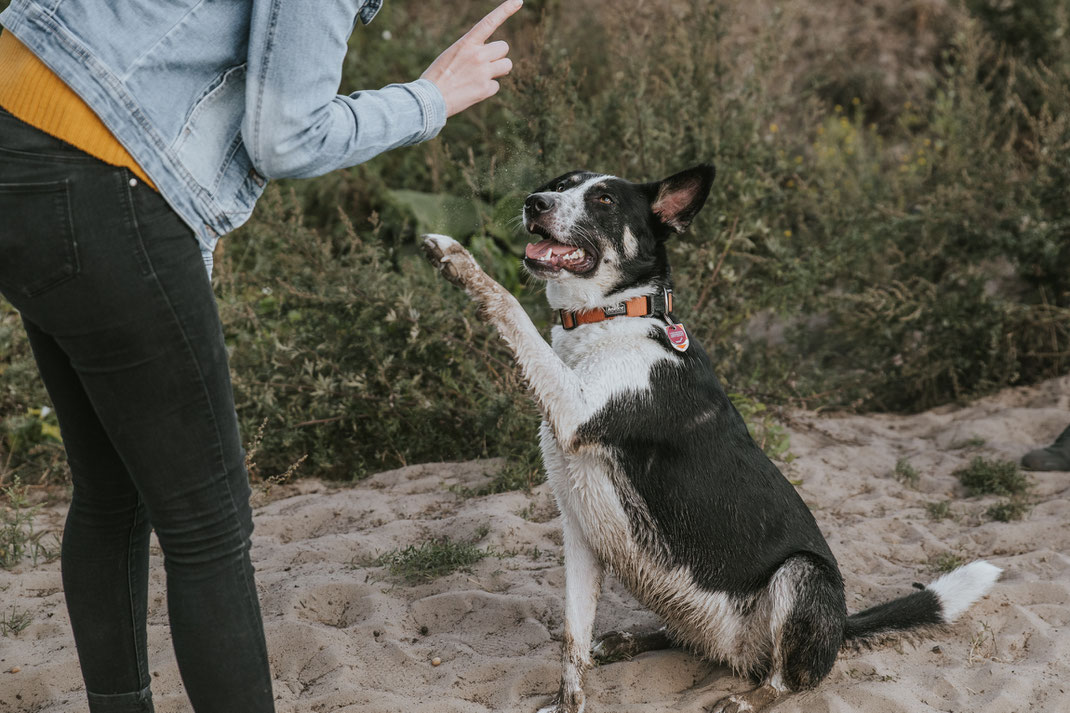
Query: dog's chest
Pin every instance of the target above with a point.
(613, 360)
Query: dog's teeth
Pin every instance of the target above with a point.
(575, 254)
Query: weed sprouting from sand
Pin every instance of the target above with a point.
(1007, 510)
(971, 442)
(522, 471)
(15, 622)
(17, 536)
(984, 476)
(939, 511)
(905, 473)
(982, 645)
(946, 561)
(434, 558)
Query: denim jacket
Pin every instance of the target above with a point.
(213, 97)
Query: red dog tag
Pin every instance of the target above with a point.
(677, 337)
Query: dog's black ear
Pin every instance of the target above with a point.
(678, 199)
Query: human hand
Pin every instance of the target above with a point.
(465, 73)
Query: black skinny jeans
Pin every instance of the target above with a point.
(124, 327)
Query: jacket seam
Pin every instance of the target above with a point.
(258, 113)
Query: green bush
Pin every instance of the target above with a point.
(883, 234)
(996, 477)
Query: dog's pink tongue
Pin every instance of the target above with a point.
(537, 251)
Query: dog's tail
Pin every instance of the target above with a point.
(937, 604)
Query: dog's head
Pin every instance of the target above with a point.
(603, 238)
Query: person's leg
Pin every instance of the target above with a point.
(1054, 457)
(112, 279)
(105, 546)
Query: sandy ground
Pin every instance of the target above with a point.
(345, 636)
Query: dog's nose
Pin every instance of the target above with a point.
(538, 203)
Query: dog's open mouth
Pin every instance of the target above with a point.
(552, 256)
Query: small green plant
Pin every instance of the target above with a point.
(905, 473)
(770, 436)
(15, 622)
(985, 476)
(433, 558)
(947, 561)
(17, 536)
(969, 443)
(1007, 510)
(939, 511)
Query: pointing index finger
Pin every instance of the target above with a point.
(483, 29)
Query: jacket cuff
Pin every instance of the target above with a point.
(432, 106)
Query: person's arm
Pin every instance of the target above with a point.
(297, 125)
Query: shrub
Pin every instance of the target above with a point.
(433, 558)
(892, 211)
(1007, 510)
(996, 477)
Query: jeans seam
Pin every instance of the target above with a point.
(250, 586)
(142, 661)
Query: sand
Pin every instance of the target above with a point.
(346, 636)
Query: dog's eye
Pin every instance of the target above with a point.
(607, 200)
(561, 186)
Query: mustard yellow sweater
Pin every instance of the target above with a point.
(30, 91)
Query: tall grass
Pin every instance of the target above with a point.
(889, 228)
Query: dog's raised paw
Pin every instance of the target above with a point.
(448, 255)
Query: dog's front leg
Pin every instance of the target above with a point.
(557, 389)
(583, 582)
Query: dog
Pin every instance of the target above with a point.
(655, 474)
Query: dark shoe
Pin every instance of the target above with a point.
(1054, 457)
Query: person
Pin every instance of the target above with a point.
(133, 135)
(1054, 457)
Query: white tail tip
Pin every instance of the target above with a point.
(960, 588)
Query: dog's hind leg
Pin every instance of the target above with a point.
(583, 583)
(805, 612)
(618, 645)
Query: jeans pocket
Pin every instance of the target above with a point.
(38, 250)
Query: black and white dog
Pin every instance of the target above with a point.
(655, 474)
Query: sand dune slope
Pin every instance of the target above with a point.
(346, 636)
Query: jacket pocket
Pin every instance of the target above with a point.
(212, 132)
(37, 244)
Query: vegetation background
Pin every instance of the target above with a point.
(889, 230)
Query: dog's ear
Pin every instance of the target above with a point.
(677, 199)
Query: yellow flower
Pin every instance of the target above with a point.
(798, 159)
(787, 233)
(921, 161)
(843, 121)
(821, 131)
(773, 128)
(790, 183)
(928, 142)
(839, 109)
(856, 101)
